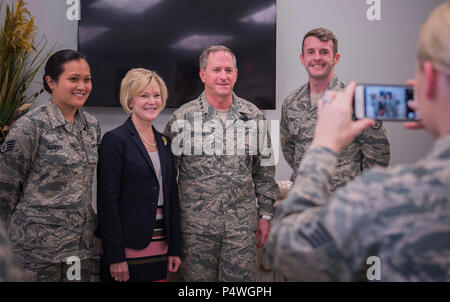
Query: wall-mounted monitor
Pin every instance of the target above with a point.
(168, 36)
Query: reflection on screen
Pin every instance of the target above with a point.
(388, 102)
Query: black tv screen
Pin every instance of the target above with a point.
(168, 36)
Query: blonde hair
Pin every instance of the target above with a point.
(135, 82)
(434, 42)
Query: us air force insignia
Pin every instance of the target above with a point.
(315, 234)
(7, 146)
(164, 140)
(378, 124)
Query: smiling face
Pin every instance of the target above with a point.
(219, 75)
(318, 58)
(71, 90)
(146, 105)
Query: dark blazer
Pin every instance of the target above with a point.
(127, 193)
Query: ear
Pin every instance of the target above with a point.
(337, 57)
(302, 59)
(50, 82)
(202, 75)
(430, 79)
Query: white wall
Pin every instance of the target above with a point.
(371, 51)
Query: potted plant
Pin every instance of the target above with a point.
(20, 59)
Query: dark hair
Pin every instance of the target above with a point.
(55, 64)
(323, 35)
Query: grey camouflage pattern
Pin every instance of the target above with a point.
(219, 193)
(46, 180)
(51, 272)
(9, 270)
(221, 197)
(219, 258)
(400, 214)
(298, 121)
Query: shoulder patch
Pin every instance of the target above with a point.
(378, 124)
(7, 146)
(315, 234)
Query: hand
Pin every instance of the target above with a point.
(262, 232)
(174, 263)
(414, 106)
(119, 271)
(335, 128)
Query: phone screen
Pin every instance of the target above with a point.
(389, 102)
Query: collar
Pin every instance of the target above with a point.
(305, 91)
(238, 109)
(57, 119)
(441, 148)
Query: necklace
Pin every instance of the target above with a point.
(150, 144)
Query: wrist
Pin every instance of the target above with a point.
(318, 143)
(266, 217)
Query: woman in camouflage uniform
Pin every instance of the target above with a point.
(46, 170)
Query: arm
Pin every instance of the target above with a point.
(109, 173)
(313, 239)
(175, 228)
(16, 156)
(266, 189)
(305, 227)
(374, 147)
(287, 141)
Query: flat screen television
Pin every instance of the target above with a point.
(168, 36)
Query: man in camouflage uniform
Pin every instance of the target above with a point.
(46, 171)
(299, 114)
(388, 224)
(228, 194)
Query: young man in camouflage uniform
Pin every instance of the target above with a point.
(388, 224)
(225, 195)
(299, 113)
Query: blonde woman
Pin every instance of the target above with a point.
(137, 200)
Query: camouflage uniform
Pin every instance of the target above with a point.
(219, 197)
(46, 171)
(298, 121)
(401, 215)
(9, 270)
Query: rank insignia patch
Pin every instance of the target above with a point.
(7, 146)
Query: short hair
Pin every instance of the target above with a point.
(203, 60)
(323, 35)
(434, 42)
(55, 64)
(135, 81)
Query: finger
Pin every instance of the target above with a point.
(413, 125)
(411, 82)
(413, 105)
(349, 92)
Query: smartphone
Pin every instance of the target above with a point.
(384, 102)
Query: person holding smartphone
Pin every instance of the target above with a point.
(398, 217)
